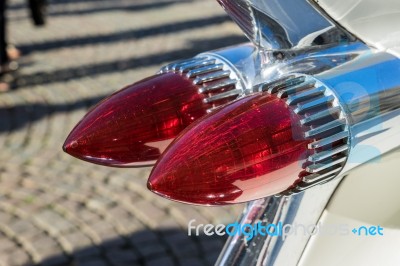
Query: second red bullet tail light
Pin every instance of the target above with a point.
(291, 135)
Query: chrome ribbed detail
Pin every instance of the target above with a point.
(326, 126)
(215, 80)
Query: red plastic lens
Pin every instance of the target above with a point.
(249, 149)
(134, 126)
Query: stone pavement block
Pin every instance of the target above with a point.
(152, 249)
(212, 257)
(6, 244)
(18, 257)
(165, 261)
(55, 222)
(46, 246)
(151, 212)
(97, 204)
(57, 260)
(182, 245)
(24, 227)
(86, 215)
(122, 257)
(91, 262)
(5, 217)
(112, 241)
(191, 262)
(77, 239)
(144, 236)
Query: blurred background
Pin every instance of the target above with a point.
(57, 210)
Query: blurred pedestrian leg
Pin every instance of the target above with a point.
(7, 55)
(3, 43)
(38, 11)
(3, 47)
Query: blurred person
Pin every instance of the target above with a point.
(38, 11)
(3, 46)
(8, 53)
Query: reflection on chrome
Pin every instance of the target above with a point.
(366, 85)
(276, 24)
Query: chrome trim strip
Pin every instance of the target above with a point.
(226, 83)
(319, 130)
(193, 65)
(296, 89)
(283, 25)
(211, 77)
(310, 179)
(329, 112)
(222, 96)
(326, 154)
(202, 70)
(295, 99)
(329, 140)
(315, 168)
(316, 103)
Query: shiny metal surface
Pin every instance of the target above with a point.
(282, 25)
(365, 88)
(245, 60)
(315, 83)
(257, 67)
(304, 209)
(369, 88)
(242, 252)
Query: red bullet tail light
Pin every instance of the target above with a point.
(133, 126)
(257, 146)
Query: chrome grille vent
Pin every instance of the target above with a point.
(215, 80)
(328, 127)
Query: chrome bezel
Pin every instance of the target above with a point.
(305, 94)
(210, 75)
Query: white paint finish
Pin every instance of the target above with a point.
(375, 22)
(373, 138)
(367, 196)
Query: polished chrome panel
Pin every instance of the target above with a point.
(305, 208)
(245, 60)
(362, 97)
(282, 25)
(255, 66)
(369, 88)
(359, 85)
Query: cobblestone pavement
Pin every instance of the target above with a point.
(56, 210)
